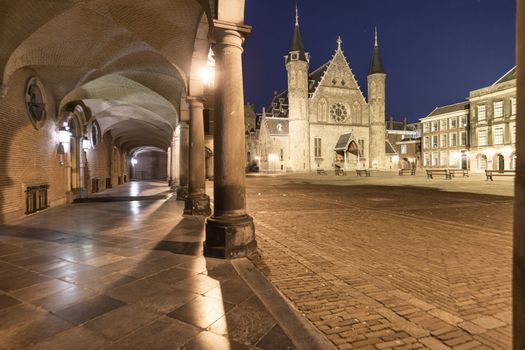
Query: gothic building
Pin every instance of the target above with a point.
(323, 119)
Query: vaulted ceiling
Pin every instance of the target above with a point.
(129, 61)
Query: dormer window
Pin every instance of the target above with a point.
(294, 56)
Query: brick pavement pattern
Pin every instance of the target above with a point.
(393, 263)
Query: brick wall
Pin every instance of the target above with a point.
(27, 156)
(150, 166)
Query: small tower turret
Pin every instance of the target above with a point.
(297, 64)
(376, 102)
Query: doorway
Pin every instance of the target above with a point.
(501, 162)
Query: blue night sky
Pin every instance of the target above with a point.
(434, 51)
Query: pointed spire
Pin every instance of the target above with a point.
(296, 15)
(297, 51)
(339, 42)
(376, 65)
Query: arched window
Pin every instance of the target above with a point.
(482, 162)
(94, 134)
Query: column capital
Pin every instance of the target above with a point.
(196, 101)
(229, 34)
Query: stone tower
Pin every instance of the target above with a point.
(297, 63)
(376, 101)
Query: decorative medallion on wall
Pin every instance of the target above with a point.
(35, 102)
(338, 113)
(94, 134)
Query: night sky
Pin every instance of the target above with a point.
(434, 51)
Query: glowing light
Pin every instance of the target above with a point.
(208, 75)
(64, 136)
(273, 157)
(257, 158)
(86, 145)
(394, 159)
(134, 161)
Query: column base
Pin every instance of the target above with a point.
(197, 205)
(182, 192)
(230, 238)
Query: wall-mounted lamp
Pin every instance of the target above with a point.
(207, 73)
(86, 144)
(134, 161)
(64, 136)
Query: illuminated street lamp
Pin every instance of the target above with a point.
(207, 73)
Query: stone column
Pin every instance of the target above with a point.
(197, 202)
(230, 232)
(175, 156)
(518, 323)
(182, 188)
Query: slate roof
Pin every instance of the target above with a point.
(297, 44)
(450, 108)
(343, 142)
(376, 65)
(510, 75)
(277, 126)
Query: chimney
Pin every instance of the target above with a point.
(391, 123)
(405, 123)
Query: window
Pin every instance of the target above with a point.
(426, 127)
(482, 113)
(361, 144)
(317, 148)
(513, 133)
(463, 121)
(498, 109)
(513, 106)
(498, 136)
(443, 159)
(443, 140)
(281, 155)
(426, 142)
(426, 160)
(435, 126)
(463, 138)
(453, 122)
(35, 102)
(443, 124)
(482, 162)
(207, 121)
(434, 141)
(435, 159)
(95, 134)
(453, 139)
(482, 138)
(338, 113)
(403, 149)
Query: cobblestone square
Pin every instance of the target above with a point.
(390, 262)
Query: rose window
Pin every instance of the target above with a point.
(338, 112)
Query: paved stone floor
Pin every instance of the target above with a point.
(390, 262)
(124, 275)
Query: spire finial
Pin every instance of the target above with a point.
(376, 44)
(339, 42)
(296, 14)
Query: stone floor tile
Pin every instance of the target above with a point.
(212, 341)
(77, 338)
(198, 284)
(41, 290)
(63, 299)
(32, 331)
(86, 310)
(164, 333)
(233, 291)
(21, 280)
(276, 339)
(488, 322)
(201, 311)
(122, 321)
(173, 276)
(246, 323)
(7, 301)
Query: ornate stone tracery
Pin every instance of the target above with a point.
(338, 112)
